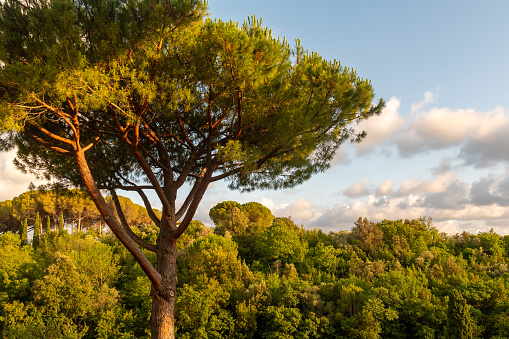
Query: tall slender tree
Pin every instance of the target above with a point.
(61, 223)
(460, 324)
(37, 231)
(24, 232)
(48, 225)
(147, 95)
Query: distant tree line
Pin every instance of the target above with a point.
(257, 276)
(73, 206)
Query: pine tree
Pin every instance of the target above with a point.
(460, 324)
(61, 223)
(37, 225)
(242, 105)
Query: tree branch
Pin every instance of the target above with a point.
(193, 206)
(111, 220)
(49, 134)
(189, 197)
(126, 226)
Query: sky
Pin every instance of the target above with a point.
(439, 149)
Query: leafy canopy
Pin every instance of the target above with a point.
(124, 78)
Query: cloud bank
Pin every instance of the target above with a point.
(473, 139)
(476, 138)
(12, 181)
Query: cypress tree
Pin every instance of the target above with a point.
(48, 225)
(460, 324)
(24, 232)
(37, 225)
(61, 223)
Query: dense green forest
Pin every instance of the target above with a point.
(254, 276)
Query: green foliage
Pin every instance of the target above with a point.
(157, 95)
(213, 257)
(7, 219)
(48, 225)
(24, 232)
(283, 135)
(201, 310)
(460, 325)
(304, 284)
(37, 231)
(17, 267)
(61, 223)
(71, 298)
(70, 207)
(368, 235)
(281, 242)
(27, 321)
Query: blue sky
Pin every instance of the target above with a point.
(441, 146)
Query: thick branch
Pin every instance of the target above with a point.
(193, 206)
(189, 197)
(48, 145)
(49, 134)
(92, 144)
(111, 220)
(126, 226)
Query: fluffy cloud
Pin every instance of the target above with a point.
(485, 150)
(477, 138)
(299, 210)
(454, 204)
(416, 186)
(443, 167)
(381, 128)
(470, 217)
(490, 190)
(361, 188)
(12, 181)
(480, 136)
(385, 188)
(452, 198)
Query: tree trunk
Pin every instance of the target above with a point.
(164, 276)
(162, 319)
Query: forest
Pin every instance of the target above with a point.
(252, 275)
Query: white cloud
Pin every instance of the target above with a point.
(443, 167)
(12, 181)
(381, 128)
(428, 98)
(343, 216)
(492, 189)
(477, 138)
(269, 203)
(416, 186)
(299, 210)
(482, 136)
(385, 188)
(488, 145)
(453, 204)
(364, 187)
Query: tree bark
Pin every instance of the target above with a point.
(162, 319)
(164, 275)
